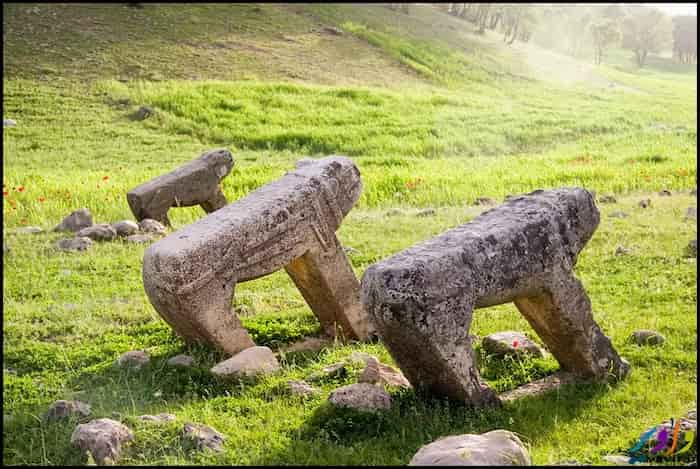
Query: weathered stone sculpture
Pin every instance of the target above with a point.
(196, 183)
(421, 300)
(191, 274)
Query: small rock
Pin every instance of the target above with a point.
(665, 193)
(361, 396)
(134, 358)
(647, 337)
(618, 214)
(301, 388)
(250, 362)
(428, 212)
(336, 370)
(691, 212)
(203, 437)
(621, 251)
(157, 419)
(510, 342)
(101, 232)
(9, 123)
(333, 31)
(139, 239)
(495, 448)
(485, 201)
(645, 203)
(63, 409)
(607, 199)
(617, 459)
(394, 212)
(28, 230)
(76, 221)
(691, 250)
(360, 357)
(143, 112)
(102, 438)
(181, 360)
(380, 373)
(74, 244)
(148, 225)
(125, 228)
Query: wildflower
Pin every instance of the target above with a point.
(515, 344)
(23, 221)
(20, 189)
(104, 178)
(5, 193)
(42, 199)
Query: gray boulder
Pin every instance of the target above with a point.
(103, 438)
(63, 409)
(250, 362)
(511, 343)
(203, 437)
(361, 396)
(125, 228)
(76, 221)
(101, 232)
(495, 448)
(74, 244)
(647, 337)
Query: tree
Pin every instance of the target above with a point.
(645, 30)
(605, 33)
(685, 38)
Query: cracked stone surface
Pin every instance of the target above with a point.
(103, 438)
(250, 362)
(204, 437)
(190, 276)
(76, 221)
(422, 299)
(361, 396)
(62, 409)
(195, 183)
(495, 448)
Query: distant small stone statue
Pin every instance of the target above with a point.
(196, 183)
(421, 300)
(190, 275)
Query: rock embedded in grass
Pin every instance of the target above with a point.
(607, 199)
(62, 409)
(618, 214)
(622, 251)
(143, 112)
(511, 343)
(103, 438)
(134, 359)
(157, 419)
(101, 232)
(125, 228)
(394, 212)
(75, 221)
(691, 212)
(252, 361)
(361, 396)
(9, 123)
(139, 238)
(181, 361)
(301, 388)
(428, 212)
(645, 203)
(149, 225)
(203, 437)
(336, 370)
(495, 448)
(647, 337)
(28, 230)
(74, 244)
(379, 373)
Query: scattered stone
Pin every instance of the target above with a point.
(103, 438)
(360, 357)
(63, 409)
(428, 212)
(148, 225)
(74, 244)
(393, 212)
(125, 228)
(622, 251)
(301, 388)
(9, 123)
(665, 193)
(618, 214)
(617, 459)
(332, 30)
(28, 230)
(361, 396)
(157, 419)
(485, 201)
(380, 373)
(336, 370)
(539, 386)
(495, 448)
(647, 337)
(101, 232)
(607, 199)
(691, 250)
(691, 212)
(139, 238)
(134, 359)
(307, 344)
(204, 437)
(144, 112)
(511, 343)
(76, 221)
(645, 203)
(181, 360)
(250, 362)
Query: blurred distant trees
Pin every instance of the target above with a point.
(685, 39)
(645, 30)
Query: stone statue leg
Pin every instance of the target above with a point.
(215, 202)
(329, 286)
(562, 317)
(203, 315)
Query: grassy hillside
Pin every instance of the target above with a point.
(433, 115)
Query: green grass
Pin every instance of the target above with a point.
(433, 117)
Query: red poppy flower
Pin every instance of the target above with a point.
(42, 199)
(515, 344)
(4, 193)
(23, 221)
(104, 178)
(20, 189)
